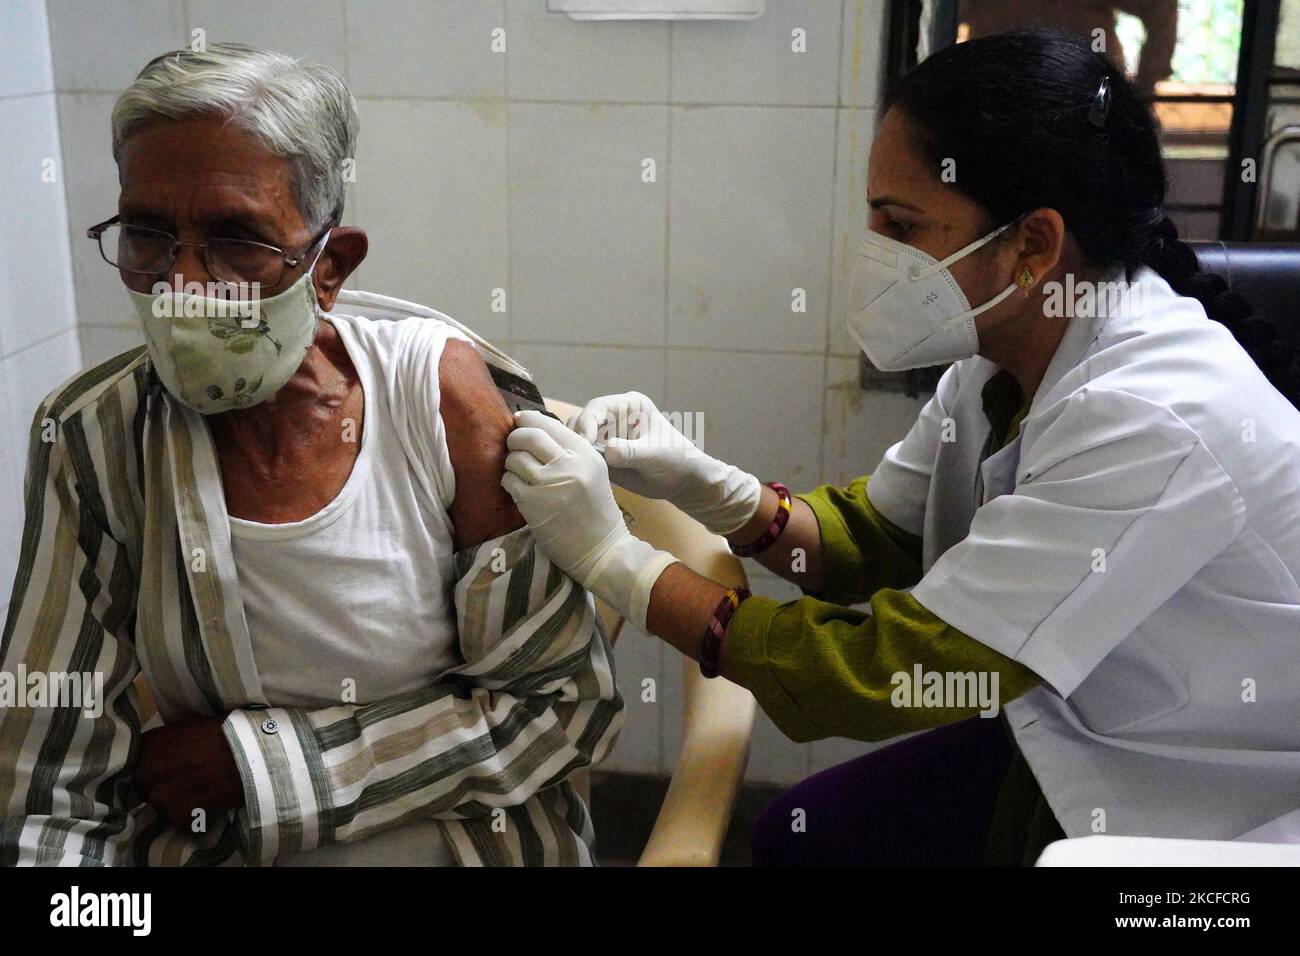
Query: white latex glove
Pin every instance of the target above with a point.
(647, 455)
(561, 486)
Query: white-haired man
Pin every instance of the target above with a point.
(292, 523)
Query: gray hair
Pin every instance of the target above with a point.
(302, 112)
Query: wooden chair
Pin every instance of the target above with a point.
(719, 715)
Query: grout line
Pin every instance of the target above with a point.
(666, 181)
(835, 172)
(14, 97)
(352, 191)
(70, 255)
(508, 169)
(544, 101)
(803, 353)
(75, 329)
(832, 275)
(347, 47)
(827, 411)
(471, 100)
(844, 37)
(187, 22)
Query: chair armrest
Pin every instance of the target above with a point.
(697, 810)
(718, 715)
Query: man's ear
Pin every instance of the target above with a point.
(1041, 240)
(346, 249)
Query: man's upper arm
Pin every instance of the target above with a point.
(61, 798)
(477, 422)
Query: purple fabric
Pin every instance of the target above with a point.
(924, 801)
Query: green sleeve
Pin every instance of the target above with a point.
(821, 670)
(861, 551)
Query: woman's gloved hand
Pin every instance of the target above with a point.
(648, 455)
(561, 486)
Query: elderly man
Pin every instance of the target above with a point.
(292, 523)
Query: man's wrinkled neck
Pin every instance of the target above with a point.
(315, 390)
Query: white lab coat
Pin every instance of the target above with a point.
(1138, 546)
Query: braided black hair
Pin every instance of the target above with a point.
(1019, 114)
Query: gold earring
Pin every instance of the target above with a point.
(1026, 278)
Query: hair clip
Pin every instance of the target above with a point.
(1100, 108)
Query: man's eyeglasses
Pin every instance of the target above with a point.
(143, 251)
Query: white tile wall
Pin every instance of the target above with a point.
(312, 29)
(523, 170)
(440, 238)
(863, 49)
(99, 343)
(853, 133)
(750, 221)
(91, 184)
(579, 373)
(790, 56)
(32, 374)
(551, 57)
(35, 296)
(587, 223)
(11, 498)
(761, 410)
(858, 426)
(24, 38)
(442, 49)
(104, 48)
(38, 332)
(639, 664)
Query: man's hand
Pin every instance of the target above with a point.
(188, 766)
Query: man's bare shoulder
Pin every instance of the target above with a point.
(477, 422)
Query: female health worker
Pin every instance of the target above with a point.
(1092, 531)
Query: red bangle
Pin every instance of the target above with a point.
(712, 648)
(768, 537)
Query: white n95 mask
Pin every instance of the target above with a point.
(215, 355)
(905, 308)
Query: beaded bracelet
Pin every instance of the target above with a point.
(766, 539)
(712, 648)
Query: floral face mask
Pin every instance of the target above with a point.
(215, 355)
